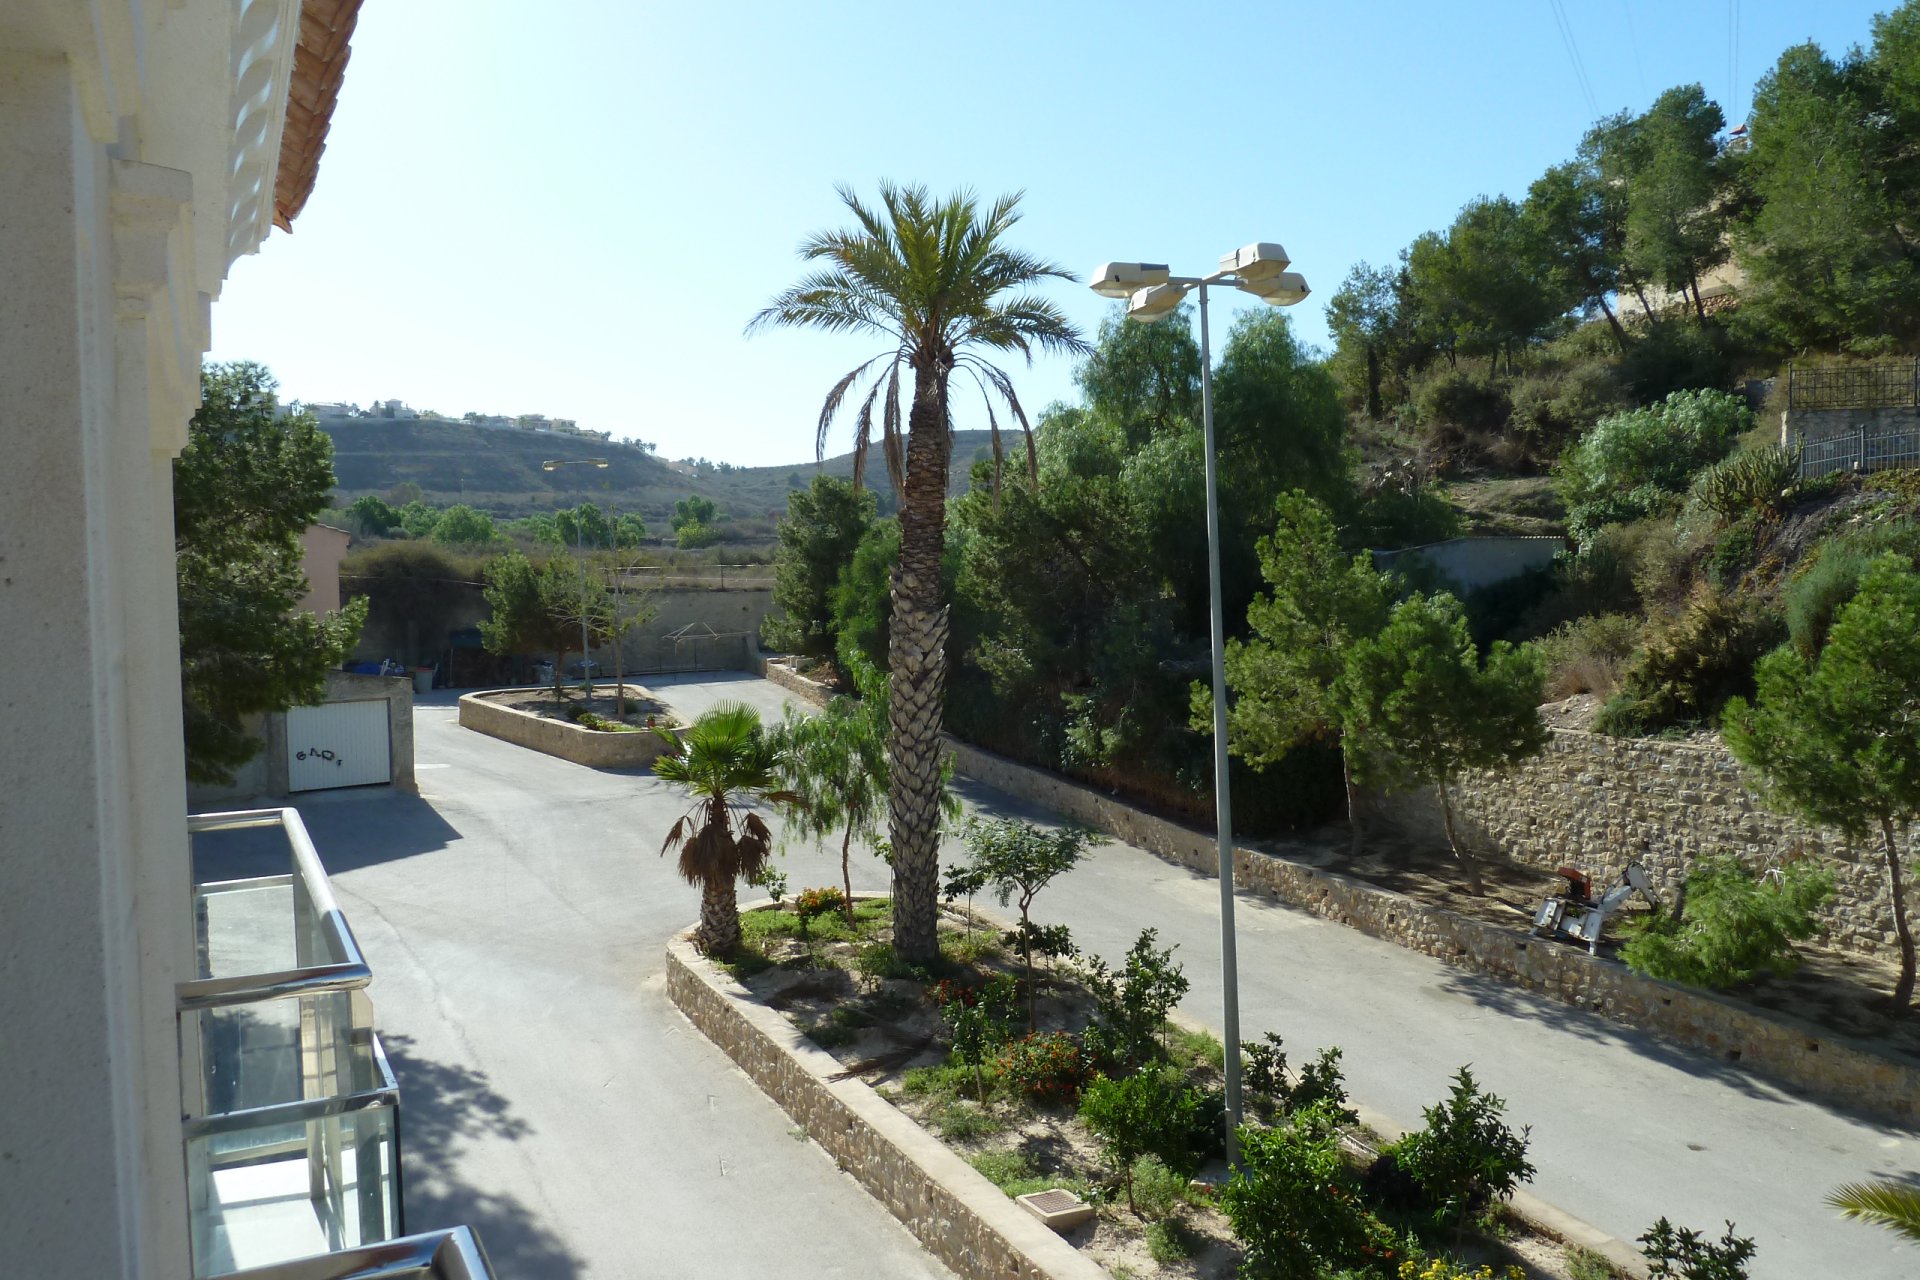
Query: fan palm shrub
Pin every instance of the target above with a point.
(935, 282)
(726, 763)
(1893, 1205)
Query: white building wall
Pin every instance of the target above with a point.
(120, 210)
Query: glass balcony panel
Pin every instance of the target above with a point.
(276, 1191)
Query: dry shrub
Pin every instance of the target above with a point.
(1589, 655)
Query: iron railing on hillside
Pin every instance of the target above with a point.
(1861, 449)
(1884, 384)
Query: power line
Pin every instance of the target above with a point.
(1573, 55)
(1633, 43)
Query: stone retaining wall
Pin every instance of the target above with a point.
(962, 1219)
(590, 747)
(1841, 1071)
(792, 681)
(1598, 802)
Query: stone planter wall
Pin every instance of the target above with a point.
(590, 747)
(962, 1219)
(1841, 1071)
(792, 681)
(1598, 802)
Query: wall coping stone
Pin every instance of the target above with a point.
(962, 1218)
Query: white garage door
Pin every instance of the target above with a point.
(338, 744)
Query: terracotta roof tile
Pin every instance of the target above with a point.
(319, 65)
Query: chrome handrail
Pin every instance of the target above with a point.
(348, 971)
(434, 1255)
(386, 1093)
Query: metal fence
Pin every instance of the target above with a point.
(1861, 449)
(1886, 384)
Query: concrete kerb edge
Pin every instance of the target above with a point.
(1836, 1068)
(796, 1075)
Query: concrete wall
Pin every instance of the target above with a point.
(321, 549)
(734, 612)
(1473, 563)
(1599, 802)
(265, 776)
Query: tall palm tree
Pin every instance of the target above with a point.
(934, 281)
(727, 763)
(1893, 1205)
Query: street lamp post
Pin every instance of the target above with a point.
(1261, 270)
(579, 547)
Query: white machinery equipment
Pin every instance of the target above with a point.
(1577, 916)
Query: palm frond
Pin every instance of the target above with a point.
(1892, 1205)
(863, 434)
(890, 435)
(831, 408)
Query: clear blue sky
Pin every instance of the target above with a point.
(573, 208)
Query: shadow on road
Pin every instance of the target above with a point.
(443, 1107)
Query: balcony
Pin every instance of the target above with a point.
(291, 1116)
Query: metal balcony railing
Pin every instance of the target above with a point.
(439, 1255)
(291, 1112)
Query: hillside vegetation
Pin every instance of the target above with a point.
(498, 471)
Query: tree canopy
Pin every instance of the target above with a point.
(245, 488)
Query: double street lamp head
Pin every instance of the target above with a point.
(1152, 293)
(1124, 279)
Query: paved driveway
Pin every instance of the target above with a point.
(515, 916)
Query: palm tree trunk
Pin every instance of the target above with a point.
(719, 931)
(917, 661)
(1903, 990)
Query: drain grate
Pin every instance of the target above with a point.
(1055, 1201)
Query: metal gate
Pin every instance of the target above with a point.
(338, 744)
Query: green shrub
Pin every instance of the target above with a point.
(1295, 1205)
(1815, 596)
(1158, 1188)
(1635, 464)
(1455, 398)
(1760, 482)
(1466, 1157)
(978, 1022)
(1683, 1254)
(1195, 1049)
(810, 904)
(1168, 1241)
(959, 1121)
(947, 1080)
(1589, 655)
(1002, 1168)
(1047, 1067)
(1734, 550)
(1688, 668)
(1552, 407)
(1733, 925)
(1673, 358)
(1130, 1007)
(1151, 1112)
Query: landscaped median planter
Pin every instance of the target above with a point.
(961, 1218)
(533, 723)
(971, 1151)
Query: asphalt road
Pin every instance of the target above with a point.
(515, 915)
